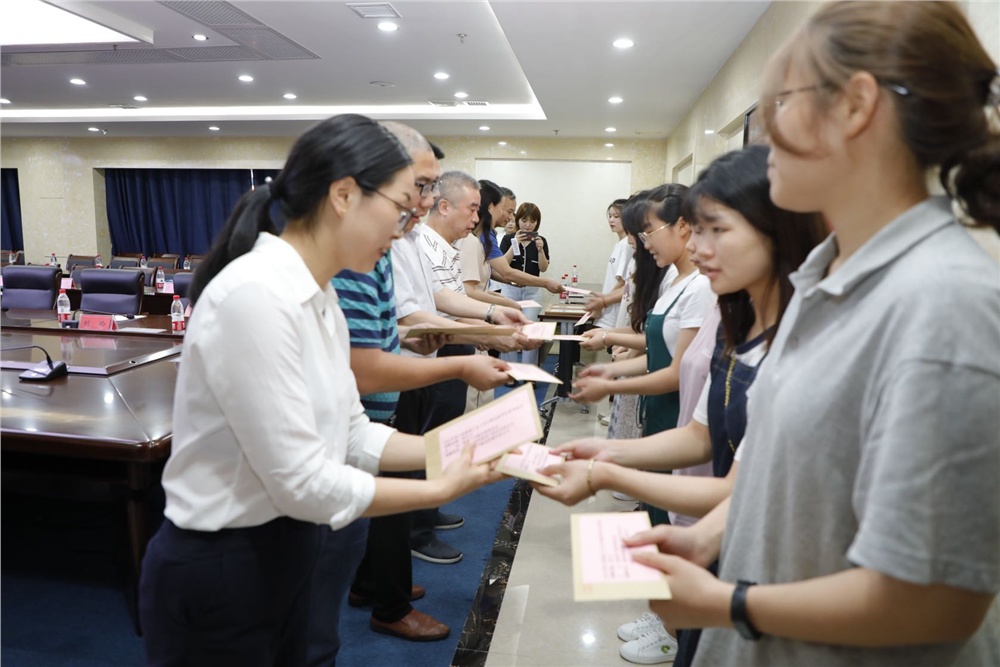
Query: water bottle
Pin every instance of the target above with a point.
(576, 276)
(563, 294)
(12, 257)
(142, 261)
(187, 262)
(160, 279)
(177, 314)
(98, 264)
(62, 306)
(52, 260)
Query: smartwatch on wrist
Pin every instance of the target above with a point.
(738, 611)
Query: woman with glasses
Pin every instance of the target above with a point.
(270, 440)
(864, 525)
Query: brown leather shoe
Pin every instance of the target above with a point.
(356, 600)
(415, 627)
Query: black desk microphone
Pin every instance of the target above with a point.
(46, 370)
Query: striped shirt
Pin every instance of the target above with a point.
(369, 304)
(445, 260)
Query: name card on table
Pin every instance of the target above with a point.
(98, 322)
(66, 283)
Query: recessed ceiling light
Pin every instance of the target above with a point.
(623, 43)
(524, 152)
(199, 37)
(611, 129)
(388, 26)
(140, 98)
(290, 96)
(609, 145)
(4, 100)
(93, 129)
(246, 78)
(213, 128)
(460, 95)
(78, 82)
(441, 76)
(709, 131)
(484, 128)
(501, 143)
(615, 100)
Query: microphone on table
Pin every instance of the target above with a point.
(44, 371)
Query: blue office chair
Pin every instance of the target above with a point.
(162, 262)
(124, 263)
(111, 291)
(182, 285)
(80, 262)
(34, 287)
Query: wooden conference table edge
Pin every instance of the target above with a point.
(566, 315)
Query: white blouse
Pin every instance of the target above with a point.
(267, 417)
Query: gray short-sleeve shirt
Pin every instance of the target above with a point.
(874, 435)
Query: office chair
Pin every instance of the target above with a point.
(124, 262)
(196, 260)
(163, 262)
(80, 262)
(34, 287)
(182, 285)
(111, 290)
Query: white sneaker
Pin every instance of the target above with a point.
(640, 626)
(618, 495)
(652, 648)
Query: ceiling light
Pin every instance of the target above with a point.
(246, 78)
(35, 23)
(609, 145)
(611, 129)
(441, 76)
(484, 128)
(213, 128)
(460, 95)
(140, 98)
(93, 129)
(709, 131)
(290, 96)
(388, 26)
(199, 37)
(4, 100)
(615, 100)
(623, 43)
(524, 152)
(78, 82)
(501, 143)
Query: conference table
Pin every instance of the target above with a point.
(566, 315)
(109, 421)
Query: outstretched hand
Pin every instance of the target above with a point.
(699, 600)
(590, 389)
(462, 475)
(572, 487)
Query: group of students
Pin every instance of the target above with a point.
(849, 408)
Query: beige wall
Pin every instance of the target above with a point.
(62, 185)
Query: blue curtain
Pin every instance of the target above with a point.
(173, 210)
(10, 210)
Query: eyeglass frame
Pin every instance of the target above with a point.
(644, 236)
(405, 214)
(902, 91)
(425, 189)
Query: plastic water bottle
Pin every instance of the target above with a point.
(563, 295)
(98, 264)
(177, 315)
(160, 279)
(187, 262)
(576, 276)
(52, 260)
(62, 306)
(142, 261)
(12, 257)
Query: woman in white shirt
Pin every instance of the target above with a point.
(270, 439)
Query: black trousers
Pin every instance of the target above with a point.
(234, 597)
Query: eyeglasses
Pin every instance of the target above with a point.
(405, 214)
(779, 97)
(427, 189)
(644, 236)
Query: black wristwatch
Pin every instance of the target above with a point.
(738, 611)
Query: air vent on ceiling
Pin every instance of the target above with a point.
(374, 10)
(443, 103)
(211, 13)
(474, 103)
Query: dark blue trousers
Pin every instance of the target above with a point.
(233, 597)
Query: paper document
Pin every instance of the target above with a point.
(494, 429)
(533, 457)
(487, 330)
(570, 337)
(530, 373)
(603, 568)
(586, 316)
(529, 304)
(577, 290)
(539, 330)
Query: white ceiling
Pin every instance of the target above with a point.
(541, 66)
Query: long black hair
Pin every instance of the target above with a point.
(738, 180)
(490, 194)
(666, 201)
(338, 147)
